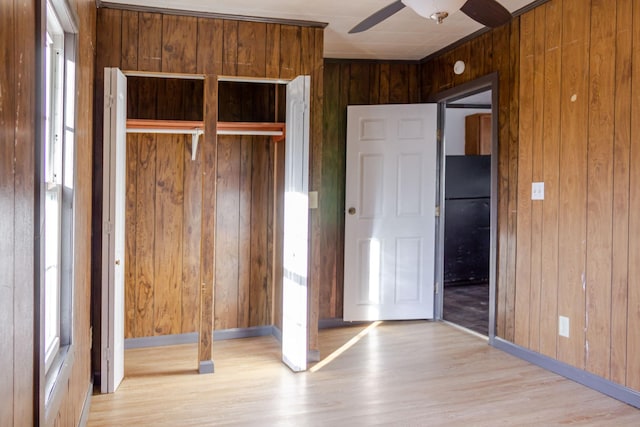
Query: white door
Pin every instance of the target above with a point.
(296, 222)
(113, 229)
(390, 212)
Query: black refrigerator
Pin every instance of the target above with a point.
(467, 219)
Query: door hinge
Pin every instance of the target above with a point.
(108, 226)
(106, 354)
(437, 211)
(437, 288)
(108, 102)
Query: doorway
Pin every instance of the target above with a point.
(468, 217)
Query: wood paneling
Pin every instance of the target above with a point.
(573, 179)
(621, 170)
(345, 84)
(245, 297)
(8, 108)
(600, 195)
(633, 284)
(572, 253)
(551, 173)
(21, 378)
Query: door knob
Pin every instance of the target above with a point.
(352, 211)
(117, 262)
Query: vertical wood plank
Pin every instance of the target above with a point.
(208, 243)
(600, 185)
(385, 84)
(621, 212)
(130, 26)
(24, 312)
(633, 301)
(573, 179)
(414, 84)
(551, 142)
(399, 84)
(290, 51)
(191, 232)
(525, 154)
(374, 90)
(130, 237)
(501, 47)
(307, 50)
(230, 48)
(178, 49)
(359, 84)
(7, 212)
(168, 231)
(210, 46)
(272, 56)
(279, 227)
(252, 37)
(315, 171)
(513, 144)
(537, 173)
(150, 42)
(244, 145)
(260, 302)
(145, 235)
(227, 233)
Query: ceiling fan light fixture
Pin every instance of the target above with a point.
(439, 16)
(434, 9)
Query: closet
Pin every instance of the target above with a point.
(165, 197)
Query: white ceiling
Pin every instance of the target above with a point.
(404, 36)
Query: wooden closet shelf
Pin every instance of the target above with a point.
(223, 128)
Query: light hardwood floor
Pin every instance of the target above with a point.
(398, 373)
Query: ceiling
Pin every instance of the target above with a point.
(404, 36)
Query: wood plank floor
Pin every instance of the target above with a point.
(397, 373)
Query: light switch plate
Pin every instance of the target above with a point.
(563, 326)
(313, 200)
(537, 191)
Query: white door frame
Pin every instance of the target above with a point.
(488, 82)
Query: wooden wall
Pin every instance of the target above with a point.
(349, 83)
(231, 170)
(18, 121)
(568, 95)
(578, 90)
(17, 194)
(494, 51)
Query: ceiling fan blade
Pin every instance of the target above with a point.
(487, 12)
(378, 17)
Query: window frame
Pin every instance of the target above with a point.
(56, 361)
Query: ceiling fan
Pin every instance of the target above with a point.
(487, 12)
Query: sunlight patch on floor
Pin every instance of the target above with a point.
(346, 346)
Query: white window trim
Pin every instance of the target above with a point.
(57, 361)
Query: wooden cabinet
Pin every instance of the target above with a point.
(477, 139)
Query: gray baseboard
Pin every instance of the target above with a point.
(86, 407)
(624, 394)
(337, 322)
(313, 356)
(277, 333)
(191, 338)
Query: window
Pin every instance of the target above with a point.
(57, 172)
(53, 175)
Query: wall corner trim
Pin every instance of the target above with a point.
(611, 389)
